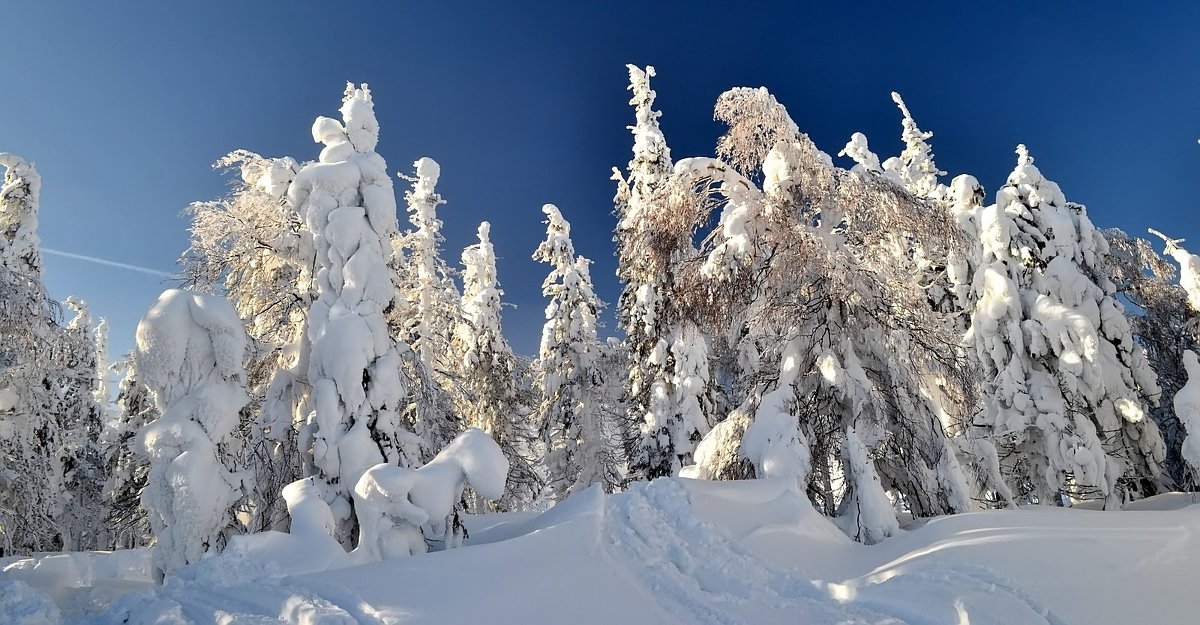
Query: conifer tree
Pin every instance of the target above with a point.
(426, 312)
(429, 296)
(78, 377)
(571, 411)
(1064, 380)
(653, 237)
(351, 360)
(487, 373)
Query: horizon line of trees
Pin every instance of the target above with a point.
(887, 340)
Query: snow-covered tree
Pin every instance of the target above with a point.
(486, 372)
(31, 430)
(426, 313)
(351, 360)
(127, 523)
(914, 168)
(667, 385)
(78, 377)
(428, 293)
(1165, 324)
(19, 199)
(191, 352)
(1189, 268)
(1187, 409)
(835, 338)
(247, 246)
(571, 413)
(945, 270)
(1064, 380)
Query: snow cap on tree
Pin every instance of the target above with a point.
(651, 164)
(19, 198)
(865, 160)
(914, 168)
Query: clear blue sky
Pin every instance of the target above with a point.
(124, 106)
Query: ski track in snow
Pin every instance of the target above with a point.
(691, 567)
(695, 570)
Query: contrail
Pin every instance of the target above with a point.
(110, 263)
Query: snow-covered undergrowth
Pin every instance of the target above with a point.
(671, 551)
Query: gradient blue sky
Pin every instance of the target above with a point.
(124, 106)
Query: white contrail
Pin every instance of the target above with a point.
(110, 263)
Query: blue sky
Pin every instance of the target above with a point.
(124, 106)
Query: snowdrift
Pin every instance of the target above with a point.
(675, 551)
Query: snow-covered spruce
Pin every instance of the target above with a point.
(426, 311)
(914, 168)
(352, 416)
(191, 351)
(428, 289)
(486, 372)
(1063, 377)
(654, 232)
(82, 521)
(571, 412)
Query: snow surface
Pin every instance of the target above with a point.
(683, 551)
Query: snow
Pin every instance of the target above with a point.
(1187, 408)
(21, 605)
(774, 442)
(352, 418)
(398, 508)
(190, 352)
(686, 551)
(19, 197)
